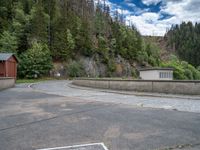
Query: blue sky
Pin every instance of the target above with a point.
(154, 17)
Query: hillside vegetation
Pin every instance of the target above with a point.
(80, 35)
(185, 40)
(170, 58)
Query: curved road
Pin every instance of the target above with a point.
(65, 88)
(56, 114)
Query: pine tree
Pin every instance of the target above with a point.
(8, 42)
(20, 27)
(185, 37)
(38, 24)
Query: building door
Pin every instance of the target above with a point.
(2, 69)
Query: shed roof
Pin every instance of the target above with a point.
(157, 68)
(6, 56)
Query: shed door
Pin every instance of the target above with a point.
(11, 69)
(2, 69)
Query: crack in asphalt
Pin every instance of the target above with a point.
(57, 116)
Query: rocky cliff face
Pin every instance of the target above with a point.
(95, 68)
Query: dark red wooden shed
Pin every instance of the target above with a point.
(8, 65)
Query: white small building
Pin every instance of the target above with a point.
(156, 74)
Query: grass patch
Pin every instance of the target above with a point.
(33, 80)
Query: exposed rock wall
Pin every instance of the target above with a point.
(94, 67)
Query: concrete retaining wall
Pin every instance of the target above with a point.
(155, 86)
(6, 83)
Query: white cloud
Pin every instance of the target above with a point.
(182, 10)
(149, 2)
(124, 12)
(131, 4)
(187, 10)
(148, 23)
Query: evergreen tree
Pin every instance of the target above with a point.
(8, 42)
(19, 27)
(38, 24)
(83, 40)
(6, 14)
(185, 37)
(35, 62)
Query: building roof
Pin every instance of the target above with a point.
(157, 68)
(6, 56)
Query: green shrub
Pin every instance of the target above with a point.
(153, 53)
(35, 62)
(152, 61)
(134, 73)
(173, 58)
(178, 72)
(75, 69)
(198, 68)
(182, 70)
(111, 65)
(142, 56)
(188, 73)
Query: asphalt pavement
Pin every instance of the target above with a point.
(165, 101)
(51, 115)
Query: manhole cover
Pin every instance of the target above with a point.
(93, 146)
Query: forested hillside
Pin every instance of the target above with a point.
(185, 40)
(64, 30)
(170, 57)
(79, 34)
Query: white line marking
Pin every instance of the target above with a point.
(104, 146)
(76, 146)
(30, 85)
